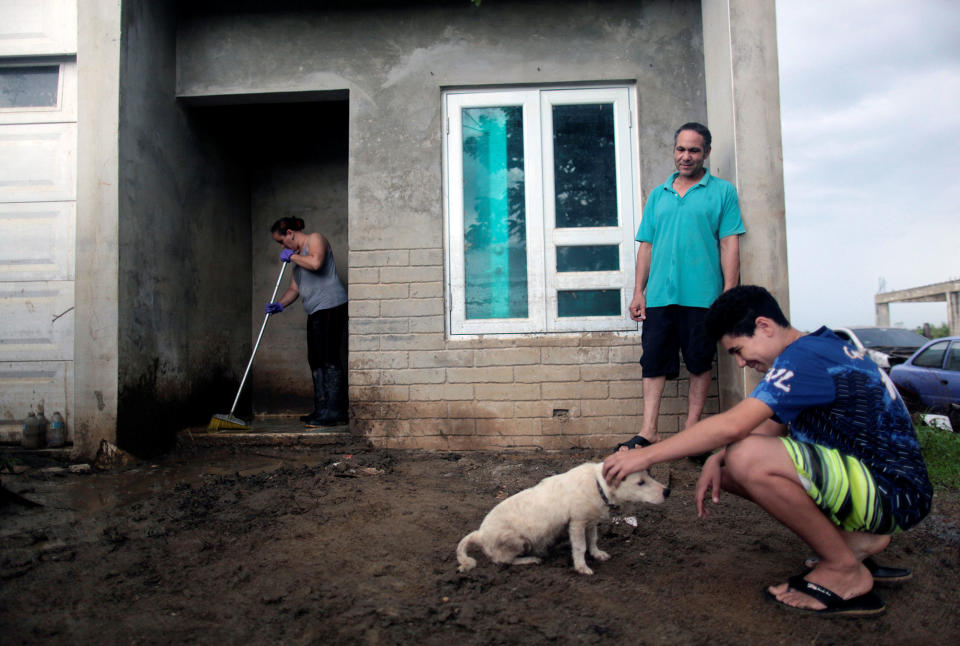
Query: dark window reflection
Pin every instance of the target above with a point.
(589, 258)
(588, 302)
(584, 165)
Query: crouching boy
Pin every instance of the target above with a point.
(824, 444)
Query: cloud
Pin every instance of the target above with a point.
(871, 143)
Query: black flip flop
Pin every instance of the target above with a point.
(881, 573)
(635, 441)
(866, 605)
(884, 574)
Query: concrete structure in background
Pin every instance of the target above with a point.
(948, 292)
(198, 123)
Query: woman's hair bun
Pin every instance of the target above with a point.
(283, 225)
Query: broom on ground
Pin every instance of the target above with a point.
(228, 421)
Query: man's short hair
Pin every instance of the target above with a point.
(735, 312)
(698, 128)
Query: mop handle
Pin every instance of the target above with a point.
(246, 372)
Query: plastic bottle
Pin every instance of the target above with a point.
(57, 432)
(30, 438)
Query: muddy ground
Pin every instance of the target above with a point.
(346, 545)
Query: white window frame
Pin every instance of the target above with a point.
(542, 237)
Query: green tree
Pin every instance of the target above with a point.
(934, 331)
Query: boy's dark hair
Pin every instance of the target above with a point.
(735, 312)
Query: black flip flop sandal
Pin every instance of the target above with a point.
(866, 605)
(635, 441)
(882, 574)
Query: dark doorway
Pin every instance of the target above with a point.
(294, 155)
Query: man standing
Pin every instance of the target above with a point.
(689, 254)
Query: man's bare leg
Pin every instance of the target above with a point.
(760, 469)
(697, 397)
(652, 394)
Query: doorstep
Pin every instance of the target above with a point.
(271, 431)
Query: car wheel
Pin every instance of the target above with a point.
(912, 401)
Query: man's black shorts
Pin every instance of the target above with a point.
(672, 329)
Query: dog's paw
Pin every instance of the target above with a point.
(583, 569)
(600, 555)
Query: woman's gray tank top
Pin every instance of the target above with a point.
(321, 289)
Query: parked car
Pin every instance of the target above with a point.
(887, 346)
(930, 379)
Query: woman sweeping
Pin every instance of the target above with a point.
(316, 282)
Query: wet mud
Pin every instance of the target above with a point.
(344, 544)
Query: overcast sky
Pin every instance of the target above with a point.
(870, 105)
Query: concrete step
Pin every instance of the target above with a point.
(273, 431)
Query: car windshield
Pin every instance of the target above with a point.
(875, 337)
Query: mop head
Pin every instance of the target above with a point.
(226, 422)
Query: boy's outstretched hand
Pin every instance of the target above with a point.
(622, 463)
(709, 481)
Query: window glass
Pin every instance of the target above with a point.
(29, 87)
(588, 302)
(879, 337)
(953, 358)
(495, 256)
(932, 357)
(588, 258)
(584, 165)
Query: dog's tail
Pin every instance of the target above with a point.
(466, 562)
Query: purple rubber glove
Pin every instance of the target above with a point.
(286, 254)
(272, 308)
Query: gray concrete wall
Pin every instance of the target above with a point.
(743, 105)
(184, 247)
(411, 385)
(395, 58)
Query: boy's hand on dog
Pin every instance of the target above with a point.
(622, 463)
(709, 481)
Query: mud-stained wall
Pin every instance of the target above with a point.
(184, 248)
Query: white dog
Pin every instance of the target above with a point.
(530, 521)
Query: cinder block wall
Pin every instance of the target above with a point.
(412, 388)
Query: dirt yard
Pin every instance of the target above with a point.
(346, 545)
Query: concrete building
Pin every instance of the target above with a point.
(947, 292)
(135, 208)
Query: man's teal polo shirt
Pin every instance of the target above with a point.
(685, 233)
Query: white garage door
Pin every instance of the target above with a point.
(38, 143)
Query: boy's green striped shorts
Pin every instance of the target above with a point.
(842, 487)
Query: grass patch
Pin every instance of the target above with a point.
(941, 450)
